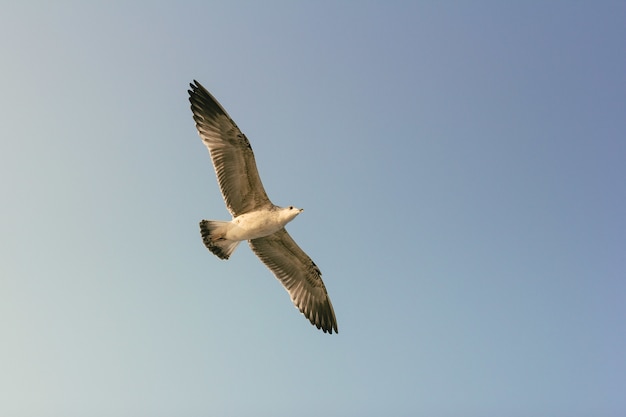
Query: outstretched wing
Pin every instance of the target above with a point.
(299, 275)
(230, 151)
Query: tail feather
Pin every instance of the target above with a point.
(212, 232)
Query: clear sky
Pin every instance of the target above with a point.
(462, 166)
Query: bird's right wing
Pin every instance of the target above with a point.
(230, 151)
(299, 275)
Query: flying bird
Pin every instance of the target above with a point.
(255, 218)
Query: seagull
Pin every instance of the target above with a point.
(255, 218)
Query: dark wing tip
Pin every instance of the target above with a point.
(329, 329)
(204, 105)
(198, 94)
(327, 322)
(320, 313)
(194, 87)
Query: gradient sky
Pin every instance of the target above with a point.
(462, 166)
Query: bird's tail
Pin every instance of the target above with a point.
(213, 232)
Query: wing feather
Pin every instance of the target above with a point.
(299, 275)
(230, 151)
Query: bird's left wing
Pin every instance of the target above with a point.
(230, 151)
(299, 275)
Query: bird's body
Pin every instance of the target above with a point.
(222, 237)
(260, 223)
(255, 218)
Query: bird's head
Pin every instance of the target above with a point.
(290, 213)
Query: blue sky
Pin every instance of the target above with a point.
(461, 166)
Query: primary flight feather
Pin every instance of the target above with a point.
(255, 218)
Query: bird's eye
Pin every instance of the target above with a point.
(290, 207)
